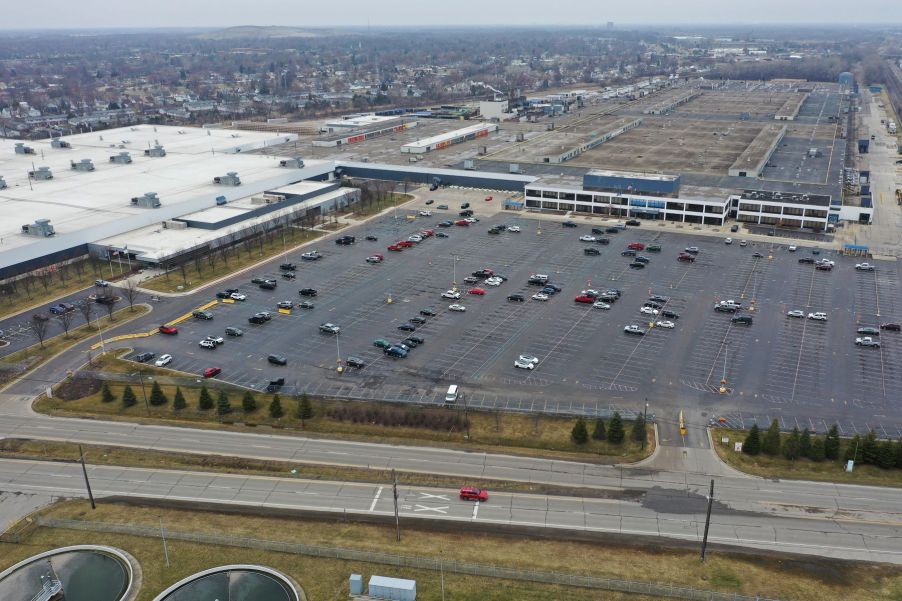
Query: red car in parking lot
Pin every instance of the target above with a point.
(471, 493)
(404, 243)
(585, 298)
(894, 327)
(636, 246)
(686, 257)
(171, 330)
(427, 233)
(462, 222)
(210, 372)
(396, 248)
(489, 198)
(477, 291)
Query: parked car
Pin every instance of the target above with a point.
(865, 267)
(207, 344)
(628, 253)
(270, 285)
(233, 331)
(584, 298)
(868, 331)
(637, 265)
(633, 222)
(285, 304)
(371, 238)
(591, 251)
(457, 308)
(277, 359)
(540, 296)
(288, 266)
(808, 260)
(329, 328)
(170, 330)
(345, 240)
(568, 224)
(516, 298)
(892, 327)
(655, 248)
(476, 291)
(275, 385)
(375, 259)
(407, 327)
(795, 313)
(692, 250)
(211, 372)
(163, 361)
(428, 312)
(304, 305)
(307, 291)
(587, 238)
(686, 257)
(818, 316)
(452, 294)
(636, 246)
(355, 362)
(667, 325)
(101, 283)
(312, 255)
(634, 329)
(742, 319)
(144, 357)
(217, 340)
(867, 341)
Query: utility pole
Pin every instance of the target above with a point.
(163, 536)
(85, 472)
(708, 520)
(394, 485)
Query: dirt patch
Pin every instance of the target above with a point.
(78, 387)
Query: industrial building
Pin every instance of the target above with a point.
(448, 139)
(362, 134)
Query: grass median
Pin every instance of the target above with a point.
(534, 435)
(800, 469)
(19, 362)
(212, 267)
(779, 577)
(44, 286)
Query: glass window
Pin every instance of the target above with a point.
(567, 196)
(747, 206)
(815, 213)
(792, 210)
(770, 220)
(585, 197)
(771, 209)
(549, 194)
(675, 206)
(637, 202)
(695, 208)
(535, 204)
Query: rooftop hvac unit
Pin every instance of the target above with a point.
(21, 148)
(229, 179)
(82, 165)
(172, 224)
(2, 183)
(514, 168)
(469, 165)
(41, 173)
(156, 151)
(40, 228)
(123, 158)
(148, 201)
(59, 143)
(483, 150)
(292, 163)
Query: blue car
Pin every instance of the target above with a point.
(548, 290)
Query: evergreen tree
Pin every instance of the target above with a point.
(817, 450)
(223, 405)
(615, 429)
(752, 444)
(599, 433)
(128, 397)
(275, 407)
(869, 447)
(248, 403)
(831, 444)
(106, 395)
(580, 434)
(853, 450)
(305, 409)
(792, 444)
(157, 397)
(205, 401)
(178, 401)
(886, 454)
(771, 443)
(639, 431)
(805, 443)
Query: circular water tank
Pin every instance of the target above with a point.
(233, 583)
(846, 79)
(83, 572)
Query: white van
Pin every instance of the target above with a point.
(451, 395)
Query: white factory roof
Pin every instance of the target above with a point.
(154, 243)
(87, 206)
(661, 177)
(424, 142)
(361, 120)
(300, 188)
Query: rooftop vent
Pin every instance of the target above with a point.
(148, 201)
(21, 148)
(59, 143)
(82, 165)
(2, 183)
(123, 158)
(156, 151)
(41, 173)
(292, 163)
(40, 228)
(229, 179)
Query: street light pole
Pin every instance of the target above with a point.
(645, 420)
(143, 392)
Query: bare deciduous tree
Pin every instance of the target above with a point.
(109, 304)
(130, 290)
(65, 320)
(39, 328)
(87, 310)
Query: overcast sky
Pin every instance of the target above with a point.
(225, 13)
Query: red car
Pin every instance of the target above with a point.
(824, 267)
(478, 291)
(895, 327)
(636, 246)
(488, 198)
(471, 493)
(210, 372)
(404, 243)
(686, 257)
(462, 222)
(171, 330)
(585, 298)
(396, 248)
(427, 233)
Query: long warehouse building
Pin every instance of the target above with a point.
(450, 138)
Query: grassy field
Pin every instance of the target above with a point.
(29, 358)
(198, 274)
(771, 576)
(532, 435)
(801, 469)
(53, 285)
(142, 458)
(391, 199)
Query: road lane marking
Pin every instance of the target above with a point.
(443, 509)
(376, 498)
(475, 509)
(425, 495)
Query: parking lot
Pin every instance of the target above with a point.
(779, 366)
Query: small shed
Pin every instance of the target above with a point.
(396, 589)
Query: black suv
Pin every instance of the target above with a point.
(345, 240)
(465, 205)
(307, 291)
(277, 359)
(428, 312)
(568, 224)
(516, 298)
(285, 267)
(743, 319)
(268, 285)
(202, 314)
(634, 222)
(596, 230)
(407, 327)
(466, 213)
(591, 251)
(144, 357)
(256, 319)
(628, 253)
(670, 314)
(611, 230)
(603, 240)
(275, 385)
(355, 362)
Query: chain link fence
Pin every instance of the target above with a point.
(409, 561)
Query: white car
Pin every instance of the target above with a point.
(452, 294)
(826, 262)
(526, 362)
(206, 343)
(215, 339)
(867, 341)
(648, 311)
(514, 228)
(667, 325)
(539, 296)
(587, 238)
(163, 360)
(743, 243)
(634, 329)
(238, 296)
(818, 316)
(329, 328)
(425, 213)
(415, 238)
(731, 303)
(796, 313)
(601, 305)
(864, 267)
(589, 292)
(728, 241)
(793, 248)
(494, 281)
(471, 220)
(456, 307)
